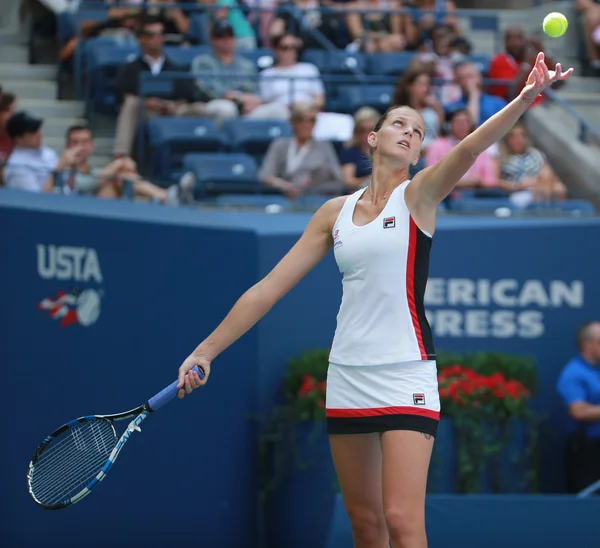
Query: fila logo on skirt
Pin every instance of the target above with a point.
(419, 399)
(389, 222)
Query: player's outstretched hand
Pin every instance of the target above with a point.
(190, 380)
(541, 78)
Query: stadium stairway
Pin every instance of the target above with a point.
(36, 89)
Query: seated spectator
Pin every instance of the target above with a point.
(289, 81)
(231, 88)
(515, 63)
(579, 388)
(306, 18)
(589, 14)
(482, 173)
(481, 105)
(33, 166)
(245, 37)
(379, 31)
(7, 109)
(524, 171)
(111, 181)
(414, 90)
(179, 102)
(425, 22)
(354, 159)
(437, 57)
(300, 165)
(176, 22)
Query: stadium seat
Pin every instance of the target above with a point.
(335, 62)
(389, 64)
(261, 57)
(251, 200)
(183, 57)
(253, 137)
(571, 207)
(103, 64)
(350, 98)
(172, 138)
(481, 205)
(482, 61)
(222, 173)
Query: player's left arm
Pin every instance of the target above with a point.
(433, 184)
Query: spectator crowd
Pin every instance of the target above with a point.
(442, 81)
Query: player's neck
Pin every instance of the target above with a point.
(386, 177)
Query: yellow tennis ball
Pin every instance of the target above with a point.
(555, 24)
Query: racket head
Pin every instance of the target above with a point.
(71, 461)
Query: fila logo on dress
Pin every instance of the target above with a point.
(389, 222)
(419, 399)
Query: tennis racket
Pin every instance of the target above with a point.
(76, 457)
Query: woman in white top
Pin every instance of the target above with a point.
(382, 400)
(289, 81)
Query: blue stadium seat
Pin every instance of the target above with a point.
(251, 200)
(183, 57)
(571, 207)
(261, 57)
(482, 61)
(389, 64)
(172, 138)
(253, 137)
(103, 64)
(481, 205)
(335, 62)
(222, 173)
(350, 98)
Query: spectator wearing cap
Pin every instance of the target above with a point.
(179, 101)
(480, 105)
(33, 166)
(7, 109)
(230, 81)
(245, 37)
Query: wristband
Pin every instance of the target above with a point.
(529, 101)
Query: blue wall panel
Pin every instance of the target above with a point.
(168, 276)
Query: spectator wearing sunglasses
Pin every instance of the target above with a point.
(289, 81)
(300, 165)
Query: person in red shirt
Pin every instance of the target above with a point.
(7, 109)
(515, 63)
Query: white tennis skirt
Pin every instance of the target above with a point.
(377, 398)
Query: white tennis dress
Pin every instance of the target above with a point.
(382, 373)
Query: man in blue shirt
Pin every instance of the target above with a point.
(579, 389)
(480, 105)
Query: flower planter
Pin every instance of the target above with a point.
(299, 511)
(503, 472)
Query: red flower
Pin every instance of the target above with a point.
(307, 386)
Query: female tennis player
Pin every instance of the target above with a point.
(382, 398)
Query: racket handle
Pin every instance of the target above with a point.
(168, 393)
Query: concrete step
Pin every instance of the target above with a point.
(14, 54)
(51, 108)
(579, 83)
(21, 71)
(24, 89)
(580, 97)
(57, 127)
(103, 146)
(9, 36)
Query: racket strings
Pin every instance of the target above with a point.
(72, 460)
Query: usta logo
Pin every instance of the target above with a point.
(68, 263)
(80, 264)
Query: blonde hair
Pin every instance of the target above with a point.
(503, 149)
(361, 115)
(301, 108)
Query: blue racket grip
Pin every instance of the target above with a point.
(168, 393)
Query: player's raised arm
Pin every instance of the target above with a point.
(313, 245)
(434, 183)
